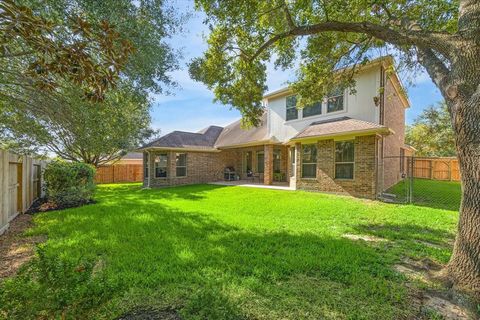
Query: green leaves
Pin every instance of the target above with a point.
(38, 53)
(432, 134)
(319, 36)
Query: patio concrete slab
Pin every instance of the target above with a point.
(250, 184)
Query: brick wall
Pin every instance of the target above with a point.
(202, 167)
(364, 183)
(394, 119)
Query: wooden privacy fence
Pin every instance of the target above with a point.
(119, 173)
(437, 169)
(21, 183)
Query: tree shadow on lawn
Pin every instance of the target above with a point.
(216, 271)
(136, 192)
(417, 241)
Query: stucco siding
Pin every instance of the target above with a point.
(359, 105)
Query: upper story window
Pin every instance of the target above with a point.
(161, 161)
(181, 164)
(292, 111)
(344, 159)
(309, 161)
(335, 101)
(312, 110)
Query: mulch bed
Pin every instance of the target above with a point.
(15, 248)
(43, 205)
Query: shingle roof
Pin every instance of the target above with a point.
(203, 140)
(234, 135)
(133, 155)
(339, 126)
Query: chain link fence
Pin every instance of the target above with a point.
(423, 181)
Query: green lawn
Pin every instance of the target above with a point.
(431, 193)
(215, 252)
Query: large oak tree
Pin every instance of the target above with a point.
(442, 36)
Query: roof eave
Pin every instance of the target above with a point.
(186, 149)
(354, 133)
(249, 144)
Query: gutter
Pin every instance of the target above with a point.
(249, 144)
(177, 149)
(384, 131)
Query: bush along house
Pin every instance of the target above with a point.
(348, 143)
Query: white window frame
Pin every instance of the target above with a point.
(156, 165)
(294, 107)
(344, 162)
(341, 94)
(310, 163)
(177, 166)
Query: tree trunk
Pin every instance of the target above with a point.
(464, 266)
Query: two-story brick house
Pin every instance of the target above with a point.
(347, 143)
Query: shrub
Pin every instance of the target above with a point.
(69, 183)
(55, 287)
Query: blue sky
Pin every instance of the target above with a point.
(191, 107)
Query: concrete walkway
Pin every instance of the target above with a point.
(250, 184)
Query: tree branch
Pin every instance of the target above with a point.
(439, 41)
(288, 15)
(436, 69)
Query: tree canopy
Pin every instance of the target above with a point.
(431, 133)
(146, 24)
(62, 68)
(37, 54)
(321, 35)
(80, 130)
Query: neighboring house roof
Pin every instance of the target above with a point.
(133, 156)
(233, 135)
(203, 140)
(340, 127)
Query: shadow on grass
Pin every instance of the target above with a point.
(132, 192)
(212, 270)
(413, 241)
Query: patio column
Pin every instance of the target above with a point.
(268, 167)
(298, 165)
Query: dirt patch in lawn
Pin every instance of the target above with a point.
(363, 237)
(15, 248)
(150, 314)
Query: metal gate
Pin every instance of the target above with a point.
(396, 179)
(432, 182)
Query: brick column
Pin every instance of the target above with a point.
(298, 161)
(268, 173)
(172, 166)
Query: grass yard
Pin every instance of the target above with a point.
(212, 252)
(431, 193)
